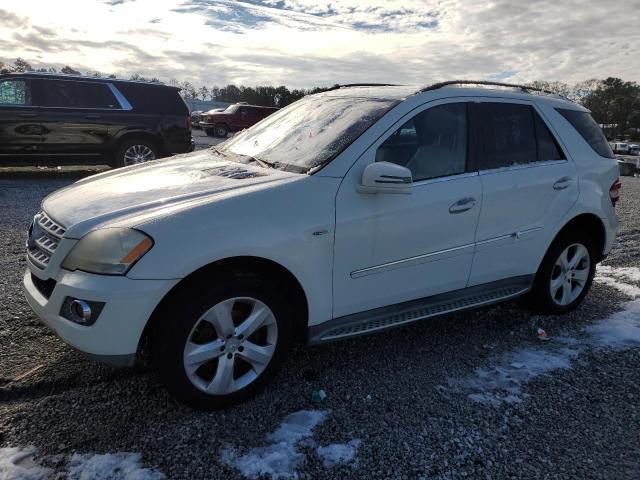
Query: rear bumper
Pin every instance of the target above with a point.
(114, 337)
(185, 146)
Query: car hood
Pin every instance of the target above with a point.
(143, 192)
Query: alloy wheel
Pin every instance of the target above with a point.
(230, 345)
(570, 274)
(138, 154)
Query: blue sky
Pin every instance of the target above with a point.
(304, 43)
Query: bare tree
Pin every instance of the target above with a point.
(67, 70)
(203, 93)
(21, 66)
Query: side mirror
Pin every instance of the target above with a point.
(385, 177)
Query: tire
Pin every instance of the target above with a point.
(555, 275)
(195, 346)
(222, 130)
(143, 149)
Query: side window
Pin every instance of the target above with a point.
(508, 135)
(15, 92)
(72, 94)
(243, 112)
(432, 144)
(587, 127)
(548, 148)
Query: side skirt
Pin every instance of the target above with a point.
(384, 318)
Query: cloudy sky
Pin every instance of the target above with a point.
(304, 43)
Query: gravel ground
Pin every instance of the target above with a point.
(392, 391)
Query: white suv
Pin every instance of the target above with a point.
(348, 212)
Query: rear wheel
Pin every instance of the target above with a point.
(222, 130)
(133, 152)
(221, 342)
(566, 274)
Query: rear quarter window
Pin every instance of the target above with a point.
(588, 129)
(149, 98)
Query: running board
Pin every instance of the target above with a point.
(380, 319)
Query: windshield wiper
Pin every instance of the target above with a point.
(222, 154)
(264, 163)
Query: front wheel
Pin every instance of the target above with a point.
(219, 343)
(565, 275)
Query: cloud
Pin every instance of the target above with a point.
(303, 43)
(11, 20)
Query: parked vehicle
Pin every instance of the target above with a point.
(620, 147)
(346, 213)
(63, 119)
(233, 119)
(197, 123)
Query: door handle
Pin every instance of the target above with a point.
(462, 205)
(562, 183)
(28, 115)
(92, 116)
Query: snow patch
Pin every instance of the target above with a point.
(282, 457)
(339, 453)
(627, 273)
(503, 380)
(611, 276)
(110, 466)
(620, 330)
(626, 288)
(18, 464)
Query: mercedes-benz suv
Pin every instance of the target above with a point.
(346, 213)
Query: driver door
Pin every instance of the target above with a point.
(391, 248)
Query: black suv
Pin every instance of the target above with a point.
(62, 119)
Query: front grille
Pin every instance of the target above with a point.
(45, 287)
(44, 236)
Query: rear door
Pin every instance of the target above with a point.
(75, 118)
(528, 185)
(20, 132)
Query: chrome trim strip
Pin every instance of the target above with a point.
(541, 163)
(411, 260)
(516, 235)
(124, 103)
(448, 178)
(405, 261)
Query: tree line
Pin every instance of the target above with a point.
(614, 103)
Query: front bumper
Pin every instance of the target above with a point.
(114, 337)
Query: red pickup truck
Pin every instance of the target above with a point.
(236, 117)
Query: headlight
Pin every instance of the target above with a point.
(110, 251)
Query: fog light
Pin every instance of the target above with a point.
(82, 312)
(81, 309)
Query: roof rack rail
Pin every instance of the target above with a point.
(523, 88)
(347, 85)
(85, 77)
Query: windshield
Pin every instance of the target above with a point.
(308, 133)
(231, 109)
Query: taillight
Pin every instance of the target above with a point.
(614, 192)
(189, 122)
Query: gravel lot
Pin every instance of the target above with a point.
(407, 395)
